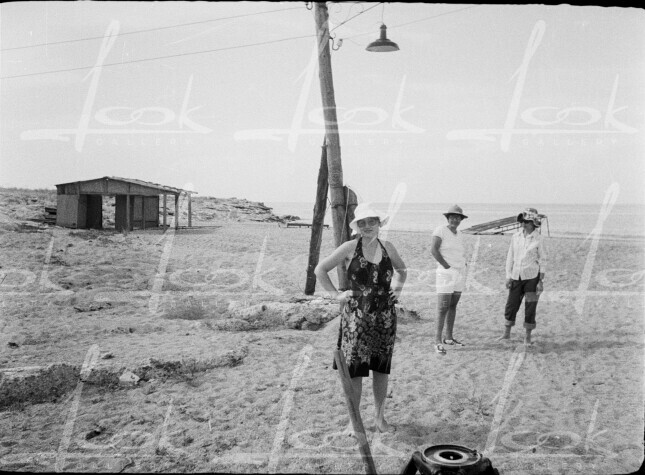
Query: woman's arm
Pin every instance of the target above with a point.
(542, 258)
(400, 270)
(509, 262)
(434, 249)
(542, 264)
(331, 262)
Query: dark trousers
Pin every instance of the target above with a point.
(520, 288)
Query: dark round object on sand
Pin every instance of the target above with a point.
(449, 459)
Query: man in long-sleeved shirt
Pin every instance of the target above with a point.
(525, 268)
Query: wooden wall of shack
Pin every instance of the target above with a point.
(144, 212)
(80, 204)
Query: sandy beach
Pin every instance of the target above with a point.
(234, 361)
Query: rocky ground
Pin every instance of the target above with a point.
(21, 208)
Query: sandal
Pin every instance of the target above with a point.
(453, 341)
(440, 349)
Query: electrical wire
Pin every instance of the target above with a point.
(413, 21)
(50, 43)
(161, 57)
(435, 16)
(231, 47)
(350, 19)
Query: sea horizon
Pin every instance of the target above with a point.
(562, 219)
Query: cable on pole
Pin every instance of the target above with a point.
(50, 43)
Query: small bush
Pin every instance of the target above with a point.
(191, 310)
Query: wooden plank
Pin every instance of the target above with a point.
(496, 223)
(351, 201)
(176, 211)
(354, 414)
(127, 213)
(165, 210)
(494, 227)
(318, 222)
(67, 210)
(190, 211)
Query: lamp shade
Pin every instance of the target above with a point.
(382, 45)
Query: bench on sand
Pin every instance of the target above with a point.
(300, 224)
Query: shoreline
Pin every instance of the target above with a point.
(564, 235)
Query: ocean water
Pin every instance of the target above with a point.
(619, 220)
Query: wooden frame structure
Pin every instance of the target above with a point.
(79, 203)
(501, 226)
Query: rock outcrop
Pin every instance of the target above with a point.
(23, 210)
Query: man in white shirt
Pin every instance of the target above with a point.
(525, 268)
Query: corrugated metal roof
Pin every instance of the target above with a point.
(133, 181)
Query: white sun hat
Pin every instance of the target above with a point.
(365, 210)
(455, 209)
(530, 214)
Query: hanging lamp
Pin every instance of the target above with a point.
(382, 45)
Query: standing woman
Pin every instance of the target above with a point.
(376, 275)
(525, 266)
(448, 249)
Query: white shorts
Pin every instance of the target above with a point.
(449, 280)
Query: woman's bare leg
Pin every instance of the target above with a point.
(451, 314)
(443, 304)
(379, 385)
(357, 390)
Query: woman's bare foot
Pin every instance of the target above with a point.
(505, 336)
(349, 430)
(383, 426)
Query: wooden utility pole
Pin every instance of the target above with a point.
(318, 222)
(334, 165)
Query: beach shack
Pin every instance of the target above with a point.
(80, 203)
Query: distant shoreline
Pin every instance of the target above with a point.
(566, 220)
(384, 205)
(421, 218)
(580, 236)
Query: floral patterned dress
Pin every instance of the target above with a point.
(368, 321)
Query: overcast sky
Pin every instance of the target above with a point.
(483, 103)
